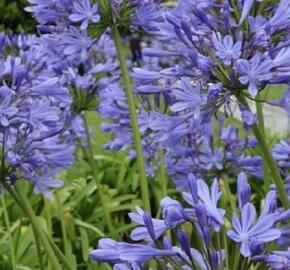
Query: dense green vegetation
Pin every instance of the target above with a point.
(14, 18)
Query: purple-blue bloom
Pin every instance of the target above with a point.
(209, 198)
(277, 260)
(112, 252)
(76, 42)
(243, 190)
(226, 49)
(85, 13)
(7, 109)
(254, 72)
(281, 152)
(141, 233)
(248, 231)
(247, 5)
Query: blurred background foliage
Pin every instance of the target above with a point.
(14, 18)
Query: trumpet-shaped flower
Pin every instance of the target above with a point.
(84, 12)
(248, 231)
(254, 72)
(226, 49)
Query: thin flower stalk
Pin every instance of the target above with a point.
(90, 156)
(133, 116)
(9, 232)
(267, 177)
(270, 161)
(39, 232)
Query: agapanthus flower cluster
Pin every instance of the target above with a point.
(205, 57)
(207, 223)
(228, 43)
(186, 133)
(37, 141)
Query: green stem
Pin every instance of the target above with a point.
(272, 165)
(244, 264)
(90, 156)
(134, 118)
(219, 245)
(20, 204)
(38, 248)
(228, 193)
(225, 242)
(236, 9)
(267, 180)
(39, 233)
(199, 244)
(270, 161)
(7, 223)
(236, 257)
(49, 224)
(261, 8)
(63, 230)
(58, 253)
(162, 174)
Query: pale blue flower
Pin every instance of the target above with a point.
(84, 12)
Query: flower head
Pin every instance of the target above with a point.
(226, 50)
(248, 231)
(84, 12)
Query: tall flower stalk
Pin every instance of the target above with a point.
(261, 124)
(22, 201)
(10, 239)
(133, 115)
(91, 158)
(268, 158)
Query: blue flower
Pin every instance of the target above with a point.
(45, 182)
(84, 12)
(188, 97)
(281, 152)
(248, 118)
(42, 114)
(226, 50)
(209, 198)
(284, 102)
(7, 109)
(76, 42)
(141, 232)
(107, 251)
(254, 72)
(243, 190)
(247, 5)
(280, 18)
(247, 232)
(113, 252)
(277, 260)
(212, 159)
(47, 11)
(146, 15)
(173, 212)
(141, 253)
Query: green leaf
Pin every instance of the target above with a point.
(86, 225)
(84, 243)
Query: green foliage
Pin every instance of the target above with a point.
(75, 217)
(14, 18)
(110, 17)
